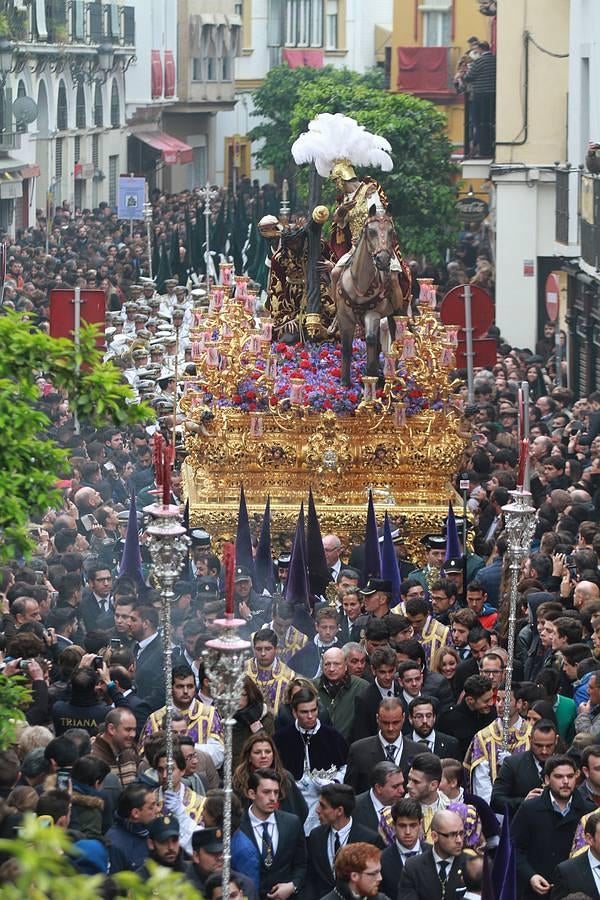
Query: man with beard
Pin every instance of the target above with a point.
(163, 846)
(357, 873)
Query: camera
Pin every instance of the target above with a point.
(24, 665)
(88, 521)
(98, 662)
(63, 780)
(115, 644)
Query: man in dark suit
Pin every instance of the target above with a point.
(581, 874)
(278, 836)
(406, 816)
(388, 744)
(476, 711)
(96, 607)
(387, 786)
(543, 827)
(422, 714)
(437, 872)
(357, 873)
(338, 828)
(521, 776)
(148, 650)
(383, 666)
(307, 661)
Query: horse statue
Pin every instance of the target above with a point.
(366, 290)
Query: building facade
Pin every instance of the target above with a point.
(342, 33)
(71, 60)
(429, 38)
(531, 134)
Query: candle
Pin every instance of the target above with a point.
(408, 348)
(267, 330)
(157, 458)
(255, 344)
(389, 366)
(197, 348)
(523, 465)
(399, 414)
(271, 369)
(400, 323)
(369, 388)
(217, 300)
(228, 553)
(257, 425)
(212, 357)
(525, 434)
(225, 273)
(296, 390)
(446, 357)
(168, 456)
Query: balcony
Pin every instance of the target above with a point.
(428, 72)
(589, 220)
(562, 206)
(66, 22)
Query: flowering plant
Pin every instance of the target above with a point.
(319, 367)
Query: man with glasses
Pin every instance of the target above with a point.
(333, 548)
(436, 874)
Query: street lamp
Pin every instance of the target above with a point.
(6, 60)
(106, 60)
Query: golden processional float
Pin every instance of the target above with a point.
(276, 419)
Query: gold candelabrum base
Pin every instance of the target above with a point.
(407, 461)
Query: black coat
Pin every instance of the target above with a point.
(327, 748)
(364, 754)
(542, 837)
(93, 617)
(364, 812)
(149, 665)
(391, 869)
(517, 776)
(307, 660)
(320, 877)
(420, 881)
(289, 862)
(464, 724)
(365, 711)
(572, 876)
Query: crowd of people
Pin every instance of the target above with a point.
(368, 742)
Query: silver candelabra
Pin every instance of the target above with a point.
(208, 195)
(168, 545)
(225, 657)
(519, 523)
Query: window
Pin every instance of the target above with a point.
(304, 23)
(209, 52)
(115, 106)
(96, 24)
(128, 25)
(80, 115)
(113, 171)
(98, 107)
(331, 24)
(113, 29)
(61, 108)
(58, 161)
(226, 68)
(95, 150)
(196, 69)
(437, 22)
(77, 149)
(78, 20)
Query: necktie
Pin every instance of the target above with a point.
(336, 844)
(443, 871)
(267, 846)
(390, 752)
(410, 854)
(136, 648)
(424, 741)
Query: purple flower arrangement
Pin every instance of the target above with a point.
(319, 367)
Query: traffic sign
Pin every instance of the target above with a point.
(552, 295)
(484, 352)
(452, 310)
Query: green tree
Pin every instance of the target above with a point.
(421, 186)
(41, 870)
(31, 463)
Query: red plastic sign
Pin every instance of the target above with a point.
(452, 310)
(62, 311)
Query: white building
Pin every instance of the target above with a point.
(343, 33)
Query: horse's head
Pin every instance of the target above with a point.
(379, 236)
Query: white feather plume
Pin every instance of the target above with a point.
(332, 137)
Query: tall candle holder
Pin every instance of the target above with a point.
(519, 523)
(168, 544)
(225, 657)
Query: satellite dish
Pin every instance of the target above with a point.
(25, 111)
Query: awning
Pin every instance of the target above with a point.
(173, 150)
(297, 58)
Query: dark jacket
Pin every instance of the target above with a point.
(128, 845)
(518, 775)
(307, 661)
(365, 711)
(327, 748)
(542, 837)
(320, 877)
(148, 663)
(572, 876)
(289, 862)
(420, 881)
(198, 880)
(364, 754)
(391, 869)
(463, 724)
(90, 716)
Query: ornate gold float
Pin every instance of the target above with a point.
(402, 439)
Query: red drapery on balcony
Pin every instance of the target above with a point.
(303, 56)
(156, 74)
(423, 70)
(172, 149)
(169, 74)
